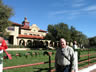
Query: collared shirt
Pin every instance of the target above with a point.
(75, 47)
(60, 59)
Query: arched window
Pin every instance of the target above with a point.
(22, 42)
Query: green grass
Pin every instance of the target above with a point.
(16, 60)
(86, 57)
(35, 59)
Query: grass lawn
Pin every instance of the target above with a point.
(16, 60)
(86, 57)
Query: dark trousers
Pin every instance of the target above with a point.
(63, 69)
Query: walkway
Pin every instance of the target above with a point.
(89, 69)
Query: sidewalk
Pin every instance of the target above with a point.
(17, 49)
(93, 70)
(89, 69)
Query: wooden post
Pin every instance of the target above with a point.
(49, 54)
(88, 57)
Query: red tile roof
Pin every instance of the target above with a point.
(22, 27)
(42, 31)
(25, 28)
(16, 24)
(30, 36)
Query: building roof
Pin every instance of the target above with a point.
(22, 27)
(30, 36)
(16, 24)
(42, 30)
(26, 28)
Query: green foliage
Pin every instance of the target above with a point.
(92, 41)
(16, 46)
(78, 36)
(61, 30)
(5, 14)
(57, 31)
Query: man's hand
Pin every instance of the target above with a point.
(72, 71)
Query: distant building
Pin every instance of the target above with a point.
(21, 34)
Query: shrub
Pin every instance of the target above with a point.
(16, 46)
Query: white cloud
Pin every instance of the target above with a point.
(69, 14)
(78, 1)
(71, 17)
(90, 8)
(75, 13)
(74, 8)
(78, 5)
(59, 12)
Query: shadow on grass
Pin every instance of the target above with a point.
(43, 69)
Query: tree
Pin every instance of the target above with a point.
(78, 36)
(57, 31)
(5, 14)
(51, 33)
(61, 30)
(92, 41)
(74, 34)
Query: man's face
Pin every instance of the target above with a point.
(63, 43)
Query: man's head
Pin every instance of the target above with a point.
(1, 39)
(63, 43)
(75, 42)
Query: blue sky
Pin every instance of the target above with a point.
(78, 13)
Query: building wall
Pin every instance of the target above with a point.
(16, 35)
(34, 28)
(34, 31)
(13, 31)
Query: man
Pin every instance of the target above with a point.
(64, 59)
(75, 45)
(77, 55)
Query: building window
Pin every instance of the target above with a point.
(34, 30)
(38, 35)
(34, 34)
(11, 28)
(25, 33)
(30, 34)
(42, 35)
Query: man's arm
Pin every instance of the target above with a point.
(72, 71)
(73, 60)
(56, 60)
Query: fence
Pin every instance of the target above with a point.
(83, 61)
(49, 54)
(26, 65)
(90, 57)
